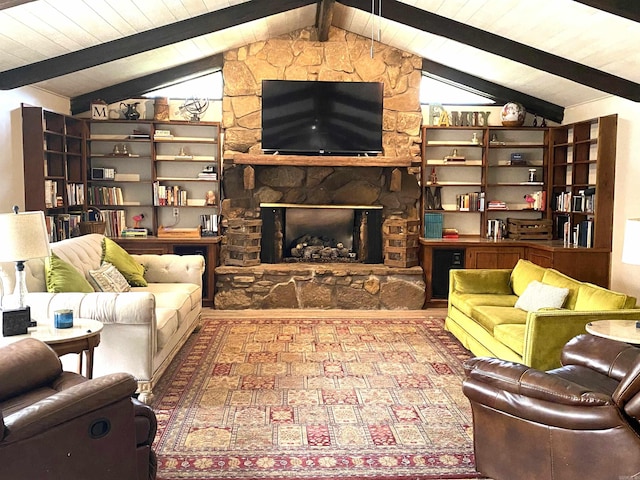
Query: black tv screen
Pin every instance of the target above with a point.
(326, 118)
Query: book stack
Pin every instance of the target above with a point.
(134, 232)
(450, 233)
(208, 174)
(162, 135)
(496, 205)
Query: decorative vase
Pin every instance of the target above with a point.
(513, 114)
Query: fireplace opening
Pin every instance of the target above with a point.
(321, 233)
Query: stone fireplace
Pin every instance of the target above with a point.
(378, 188)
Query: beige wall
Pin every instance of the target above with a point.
(624, 277)
(12, 177)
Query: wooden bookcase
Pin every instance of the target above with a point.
(583, 160)
(474, 166)
(155, 175)
(54, 166)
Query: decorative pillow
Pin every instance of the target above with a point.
(523, 274)
(63, 277)
(108, 278)
(117, 256)
(538, 295)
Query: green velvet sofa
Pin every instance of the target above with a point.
(483, 316)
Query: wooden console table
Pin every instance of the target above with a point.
(208, 247)
(584, 264)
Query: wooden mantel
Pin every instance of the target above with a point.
(323, 160)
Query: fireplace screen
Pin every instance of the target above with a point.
(318, 227)
(293, 233)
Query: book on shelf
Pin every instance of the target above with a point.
(134, 232)
(470, 202)
(126, 177)
(450, 233)
(584, 233)
(496, 205)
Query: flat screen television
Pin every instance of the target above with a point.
(321, 118)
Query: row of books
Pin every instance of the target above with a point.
(578, 235)
(75, 194)
(470, 202)
(584, 201)
(537, 200)
(116, 222)
(63, 226)
(169, 195)
(105, 195)
(51, 197)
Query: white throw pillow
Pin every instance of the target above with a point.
(108, 278)
(538, 295)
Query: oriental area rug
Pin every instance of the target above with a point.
(313, 398)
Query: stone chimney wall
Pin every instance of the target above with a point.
(299, 56)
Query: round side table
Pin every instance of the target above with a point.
(621, 330)
(84, 336)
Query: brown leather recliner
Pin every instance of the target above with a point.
(60, 425)
(575, 422)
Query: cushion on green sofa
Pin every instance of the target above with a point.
(523, 274)
(120, 258)
(467, 302)
(63, 277)
(539, 295)
(512, 335)
(557, 279)
(482, 281)
(489, 316)
(594, 298)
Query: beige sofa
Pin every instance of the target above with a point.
(143, 328)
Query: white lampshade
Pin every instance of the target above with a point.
(24, 236)
(631, 247)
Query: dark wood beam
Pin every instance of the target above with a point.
(12, 3)
(445, 27)
(324, 18)
(139, 86)
(623, 8)
(491, 90)
(145, 41)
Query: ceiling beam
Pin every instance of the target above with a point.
(139, 86)
(492, 90)
(145, 41)
(629, 9)
(445, 27)
(324, 18)
(12, 3)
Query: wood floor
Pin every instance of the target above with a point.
(317, 313)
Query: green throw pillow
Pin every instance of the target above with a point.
(63, 277)
(126, 265)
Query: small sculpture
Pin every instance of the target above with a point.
(433, 177)
(210, 198)
(137, 219)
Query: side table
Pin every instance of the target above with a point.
(620, 330)
(84, 336)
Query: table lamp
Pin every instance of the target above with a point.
(24, 237)
(631, 245)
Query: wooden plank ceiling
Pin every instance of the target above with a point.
(548, 54)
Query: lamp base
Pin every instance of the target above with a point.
(16, 322)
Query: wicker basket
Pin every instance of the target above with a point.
(95, 226)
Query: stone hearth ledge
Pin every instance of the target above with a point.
(319, 285)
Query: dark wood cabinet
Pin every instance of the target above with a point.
(492, 257)
(208, 247)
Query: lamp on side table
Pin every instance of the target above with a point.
(24, 237)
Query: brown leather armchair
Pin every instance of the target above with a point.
(60, 425)
(578, 421)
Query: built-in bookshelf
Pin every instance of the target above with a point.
(477, 177)
(581, 181)
(54, 168)
(162, 174)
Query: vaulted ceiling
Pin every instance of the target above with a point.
(548, 54)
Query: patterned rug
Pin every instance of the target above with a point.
(315, 398)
